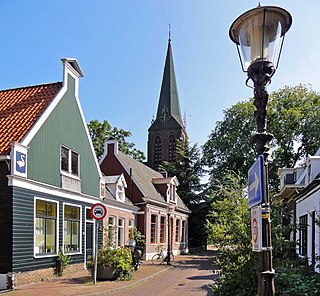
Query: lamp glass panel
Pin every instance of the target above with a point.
(260, 37)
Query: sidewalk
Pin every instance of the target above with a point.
(81, 283)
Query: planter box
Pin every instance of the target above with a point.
(106, 273)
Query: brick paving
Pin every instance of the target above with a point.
(189, 275)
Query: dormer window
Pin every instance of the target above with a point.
(69, 161)
(116, 185)
(172, 192)
(120, 192)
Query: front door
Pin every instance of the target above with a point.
(89, 239)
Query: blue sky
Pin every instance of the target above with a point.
(121, 46)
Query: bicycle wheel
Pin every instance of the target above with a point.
(157, 259)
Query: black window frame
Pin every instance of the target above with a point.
(303, 235)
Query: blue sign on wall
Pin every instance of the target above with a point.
(256, 181)
(21, 162)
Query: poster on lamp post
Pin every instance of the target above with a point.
(256, 228)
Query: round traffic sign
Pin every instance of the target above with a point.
(98, 211)
(255, 232)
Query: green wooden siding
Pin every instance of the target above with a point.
(23, 230)
(64, 127)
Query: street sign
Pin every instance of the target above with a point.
(256, 180)
(98, 211)
(256, 229)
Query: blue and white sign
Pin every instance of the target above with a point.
(19, 155)
(256, 180)
(21, 162)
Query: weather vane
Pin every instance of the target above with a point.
(169, 32)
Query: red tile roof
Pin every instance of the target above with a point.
(20, 108)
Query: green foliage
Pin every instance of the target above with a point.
(297, 282)
(101, 131)
(188, 168)
(119, 258)
(293, 118)
(139, 237)
(228, 226)
(229, 147)
(61, 263)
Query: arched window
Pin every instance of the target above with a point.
(172, 148)
(157, 151)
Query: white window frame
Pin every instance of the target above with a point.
(80, 230)
(177, 237)
(130, 228)
(69, 172)
(35, 254)
(120, 192)
(183, 231)
(114, 239)
(121, 229)
(155, 229)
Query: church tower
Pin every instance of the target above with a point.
(168, 126)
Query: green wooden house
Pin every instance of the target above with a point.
(49, 176)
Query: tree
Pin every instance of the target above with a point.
(228, 226)
(187, 167)
(293, 119)
(101, 131)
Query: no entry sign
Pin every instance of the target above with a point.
(256, 229)
(98, 211)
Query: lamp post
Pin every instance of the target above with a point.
(259, 34)
(169, 211)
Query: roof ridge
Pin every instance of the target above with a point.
(140, 163)
(31, 86)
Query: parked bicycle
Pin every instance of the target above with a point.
(161, 258)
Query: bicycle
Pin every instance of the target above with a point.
(160, 257)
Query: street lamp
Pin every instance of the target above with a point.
(259, 34)
(169, 211)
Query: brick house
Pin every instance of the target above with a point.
(162, 215)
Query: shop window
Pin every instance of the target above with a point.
(45, 227)
(177, 231)
(112, 231)
(120, 232)
(130, 228)
(153, 229)
(162, 229)
(71, 228)
(183, 232)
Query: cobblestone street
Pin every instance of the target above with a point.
(190, 275)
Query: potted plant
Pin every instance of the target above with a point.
(112, 264)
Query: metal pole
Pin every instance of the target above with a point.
(260, 73)
(95, 255)
(169, 241)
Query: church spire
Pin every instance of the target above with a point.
(168, 127)
(169, 104)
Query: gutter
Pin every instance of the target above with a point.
(4, 157)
